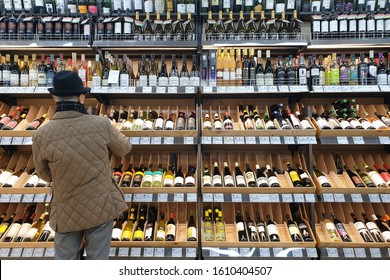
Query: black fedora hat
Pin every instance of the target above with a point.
(68, 83)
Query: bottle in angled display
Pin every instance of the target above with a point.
(362, 229)
(150, 225)
(375, 177)
(354, 178)
(208, 234)
(217, 178)
(373, 228)
(294, 176)
(227, 176)
(272, 230)
(206, 178)
(127, 233)
(220, 234)
(322, 179)
(138, 175)
(47, 233)
(13, 179)
(382, 227)
(384, 174)
(250, 177)
(139, 233)
(189, 180)
(14, 122)
(35, 230)
(179, 178)
(251, 227)
(36, 123)
(168, 178)
(117, 230)
(127, 176)
(342, 231)
(261, 178)
(293, 229)
(158, 176)
(303, 175)
(240, 225)
(304, 229)
(330, 229)
(261, 228)
(240, 179)
(272, 178)
(160, 234)
(15, 226)
(192, 232)
(26, 225)
(170, 229)
(6, 224)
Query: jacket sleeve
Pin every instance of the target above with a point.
(118, 144)
(41, 164)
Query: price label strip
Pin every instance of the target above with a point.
(159, 252)
(191, 197)
(375, 253)
(177, 252)
(349, 253)
(148, 252)
(236, 197)
(135, 252)
(328, 197)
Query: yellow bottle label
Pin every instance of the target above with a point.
(294, 176)
(3, 228)
(138, 235)
(126, 234)
(191, 233)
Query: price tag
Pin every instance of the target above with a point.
(5, 198)
(284, 89)
(4, 252)
(274, 197)
(332, 252)
(221, 89)
(358, 140)
(229, 140)
(3, 89)
(143, 197)
(160, 89)
(272, 88)
(236, 197)
(214, 253)
(168, 140)
(275, 140)
(245, 252)
(371, 88)
(287, 197)
(265, 198)
(134, 140)
(49, 252)
(385, 198)
(328, 197)
(297, 253)
(299, 197)
(310, 197)
(123, 252)
(148, 252)
(207, 197)
(235, 250)
(190, 252)
(375, 253)
(311, 252)
(349, 253)
(254, 197)
(135, 252)
(177, 252)
(146, 89)
(27, 141)
(128, 197)
(356, 197)
(217, 140)
(264, 140)
(188, 140)
(265, 252)
(339, 197)
(375, 198)
(145, 141)
(162, 197)
(189, 89)
(17, 141)
(159, 252)
(16, 198)
(250, 140)
(385, 88)
(38, 252)
(239, 140)
(303, 140)
(191, 197)
(218, 197)
(16, 252)
(6, 140)
(28, 252)
(206, 140)
(360, 253)
(289, 140)
(178, 197)
(249, 89)
(172, 89)
(156, 140)
(40, 197)
(318, 89)
(28, 197)
(113, 77)
(346, 88)
(342, 140)
(207, 89)
(384, 140)
(131, 90)
(278, 252)
(112, 252)
(48, 197)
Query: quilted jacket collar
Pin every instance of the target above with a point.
(67, 115)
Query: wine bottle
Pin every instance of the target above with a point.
(373, 228)
(14, 122)
(160, 234)
(306, 182)
(150, 225)
(6, 224)
(36, 228)
(178, 31)
(169, 178)
(250, 177)
(217, 178)
(322, 179)
(331, 229)
(13, 179)
(170, 229)
(220, 28)
(375, 177)
(189, 180)
(179, 178)
(294, 176)
(206, 178)
(293, 230)
(138, 175)
(354, 178)
(251, 28)
(364, 176)
(117, 230)
(15, 226)
(208, 234)
(192, 232)
(26, 225)
(220, 234)
(272, 27)
(127, 176)
(158, 176)
(139, 233)
(261, 228)
(362, 229)
(342, 231)
(227, 176)
(261, 178)
(127, 233)
(384, 174)
(272, 178)
(230, 29)
(117, 172)
(240, 179)
(47, 233)
(36, 123)
(251, 227)
(304, 229)
(384, 229)
(272, 230)
(240, 225)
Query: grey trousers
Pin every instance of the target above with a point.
(97, 243)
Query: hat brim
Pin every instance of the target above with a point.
(69, 93)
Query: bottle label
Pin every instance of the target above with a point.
(330, 226)
(250, 177)
(207, 124)
(272, 229)
(191, 233)
(149, 232)
(382, 79)
(367, 125)
(352, 26)
(343, 26)
(372, 227)
(218, 125)
(181, 8)
(344, 124)
(160, 235)
(159, 123)
(387, 25)
(23, 230)
(386, 235)
(191, 8)
(273, 180)
(157, 177)
(148, 177)
(12, 180)
(138, 235)
(148, 6)
(31, 233)
(41, 78)
(138, 4)
(362, 25)
(322, 180)
(323, 123)
(376, 178)
(260, 79)
(315, 72)
(4, 176)
(206, 180)
(3, 228)
(14, 79)
(143, 81)
(173, 81)
(73, 9)
(240, 180)
(333, 26)
(228, 124)
(24, 80)
(293, 229)
(324, 26)
(6, 75)
(261, 181)
(178, 181)
(269, 79)
(240, 226)
(217, 180)
(194, 81)
(341, 229)
(238, 74)
(170, 229)
(11, 125)
(228, 180)
(190, 180)
(372, 70)
(385, 176)
(378, 124)
(371, 25)
(261, 228)
(294, 176)
(123, 80)
(14, 229)
(152, 80)
(163, 81)
(184, 81)
(169, 125)
(33, 180)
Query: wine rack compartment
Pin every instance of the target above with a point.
(344, 232)
(241, 231)
(267, 173)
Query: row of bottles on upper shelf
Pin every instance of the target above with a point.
(223, 68)
(26, 223)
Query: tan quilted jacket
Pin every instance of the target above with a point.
(72, 151)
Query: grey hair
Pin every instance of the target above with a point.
(66, 98)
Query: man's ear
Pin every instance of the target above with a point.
(81, 98)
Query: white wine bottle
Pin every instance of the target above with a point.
(208, 234)
(192, 232)
(160, 234)
(331, 229)
(362, 229)
(127, 232)
(293, 230)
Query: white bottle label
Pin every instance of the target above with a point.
(333, 26)
(116, 233)
(181, 8)
(178, 181)
(148, 232)
(323, 123)
(83, 74)
(31, 233)
(148, 178)
(362, 25)
(127, 27)
(250, 177)
(14, 79)
(269, 79)
(159, 123)
(269, 4)
(376, 178)
(4, 176)
(305, 124)
(372, 227)
(322, 180)
(191, 232)
(153, 80)
(324, 26)
(293, 229)
(330, 226)
(24, 80)
(12, 180)
(372, 70)
(33, 180)
(344, 124)
(138, 4)
(23, 230)
(173, 81)
(184, 81)
(352, 26)
(355, 123)
(273, 180)
(228, 180)
(240, 226)
(123, 80)
(41, 78)
(382, 79)
(190, 180)
(378, 124)
(163, 81)
(143, 81)
(194, 81)
(15, 227)
(217, 180)
(316, 26)
(260, 79)
(157, 177)
(96, 81)
(262, 180)
(6, 75)
(168, 181)
(240, 180)
(206, 180)
(279, 7)
(343, 26)
(371, 25)
(170, 229)
(386, 235)
(272, 229)
(191, 8)
(27, 5)
(148, 6)
(159, 6)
